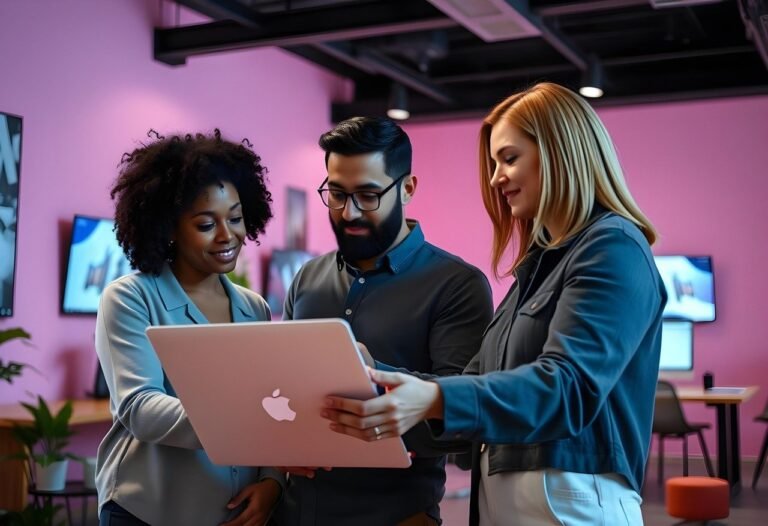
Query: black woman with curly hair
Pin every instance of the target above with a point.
(184, 208)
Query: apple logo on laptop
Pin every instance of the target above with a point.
(277, 407)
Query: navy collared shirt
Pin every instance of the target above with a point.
(421, 309)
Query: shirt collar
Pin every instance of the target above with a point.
(174, 297)
(241, 309)
(397, 258)
(171, 293)
(598, 212)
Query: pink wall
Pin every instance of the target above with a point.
(81, 74)
(698, 170)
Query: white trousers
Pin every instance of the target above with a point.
(550, 497)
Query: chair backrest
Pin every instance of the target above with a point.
(668, 416)
(764, 415)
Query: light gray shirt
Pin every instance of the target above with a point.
(151, 462)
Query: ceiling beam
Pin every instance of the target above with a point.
(476, 111)
(678, 55)
(553, 36)
(351, 21)
(225, 10)
(564, 46)
(502, 74)
(593, 6)
(376, 63)
(384, 65)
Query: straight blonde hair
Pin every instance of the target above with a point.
(579, 168)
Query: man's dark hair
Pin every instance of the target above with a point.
(160, 180)
(361, 135)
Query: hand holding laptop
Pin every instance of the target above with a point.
(408, 401)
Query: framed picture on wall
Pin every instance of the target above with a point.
(10, 169)
(282, 268)
(296, 220)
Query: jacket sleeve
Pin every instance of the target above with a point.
(609, 299)
(134, 374)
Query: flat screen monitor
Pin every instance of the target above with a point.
(676, 349)
(95, 259)
(690, 287)
(10, 172)
(283, 266)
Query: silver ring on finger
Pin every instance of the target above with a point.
(377, 430)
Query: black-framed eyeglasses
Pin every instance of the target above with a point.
(364, 200)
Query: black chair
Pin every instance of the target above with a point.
(763, 450)
(669, 422)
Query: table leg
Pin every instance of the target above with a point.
(722, 446)
(733, 417)
(728, 454)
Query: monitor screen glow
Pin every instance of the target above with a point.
(690, 285)
(10, 174)
(95, 259)
(676, 346)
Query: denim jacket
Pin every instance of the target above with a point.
(569, 362)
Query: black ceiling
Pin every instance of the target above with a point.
(686, 50)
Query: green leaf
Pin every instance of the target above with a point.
(7, 372)
(11, 334)
(48, 435)
(61, 420)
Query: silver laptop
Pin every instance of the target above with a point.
(254, 391)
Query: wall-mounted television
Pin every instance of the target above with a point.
(283, 266)
(94, 260)
(10, 171)
(676, 349)
(690, 285)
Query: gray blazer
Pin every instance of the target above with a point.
(151, 462)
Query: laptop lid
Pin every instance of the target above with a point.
(254, 391)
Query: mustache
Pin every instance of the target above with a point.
(356, 223)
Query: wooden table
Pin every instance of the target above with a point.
(727, 406)
(13, 475)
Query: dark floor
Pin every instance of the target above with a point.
(748, 507)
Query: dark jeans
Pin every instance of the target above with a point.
(113, 515)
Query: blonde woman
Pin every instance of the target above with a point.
(558, 402)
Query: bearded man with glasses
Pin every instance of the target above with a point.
(413, 305)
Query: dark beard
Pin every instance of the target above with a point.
(378, 241)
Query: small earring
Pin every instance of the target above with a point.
(170, 251)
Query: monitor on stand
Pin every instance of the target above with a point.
(676, 359)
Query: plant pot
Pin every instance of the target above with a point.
(52, 477)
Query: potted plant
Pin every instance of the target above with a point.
(239, 275)
(45, 441)
(34, 515)
(11, 369)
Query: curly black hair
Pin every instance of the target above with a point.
(160, 180)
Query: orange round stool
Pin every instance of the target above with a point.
(698, 498)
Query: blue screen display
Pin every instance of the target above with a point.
(676, 346)
(95, 259)
(690, 287)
